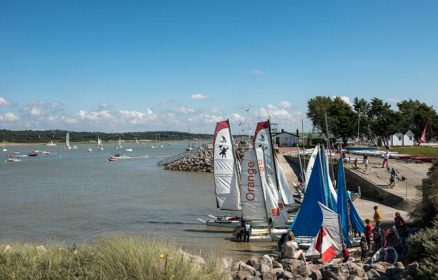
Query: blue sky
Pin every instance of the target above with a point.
(169, 65)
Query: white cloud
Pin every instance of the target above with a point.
(3, 101)
(284, 105)
(257, 72)
(236, 118)
(71, 120)
(184, 110)
(8, 117)
(34, 111)
(199, 96)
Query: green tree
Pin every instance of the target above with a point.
(361, 106)
(343, 119)
(383, 120)
(316, 109)
(414, 115)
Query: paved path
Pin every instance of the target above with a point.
(413, 172)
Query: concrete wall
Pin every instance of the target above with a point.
(369, 189)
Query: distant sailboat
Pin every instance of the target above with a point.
(119, 144)
(4, 149)
(67, 141)
(99, 144)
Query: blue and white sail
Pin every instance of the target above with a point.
(342, 203)
(309, 218)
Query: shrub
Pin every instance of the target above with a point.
(116, 258)
(423, 247)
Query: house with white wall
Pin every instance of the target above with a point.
(400, 139)
(285, 139)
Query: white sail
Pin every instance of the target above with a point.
(252, 195)
(263, 140)
(226, 177)
(310, 166)
(284, 188)
(67, 140)
(274, 212)
(330, 182)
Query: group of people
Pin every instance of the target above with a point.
(395, 236)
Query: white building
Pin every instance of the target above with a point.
(400, 139)
(396, 139)
(285, 139)
(409, 138)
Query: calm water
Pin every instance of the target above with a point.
(79, 196)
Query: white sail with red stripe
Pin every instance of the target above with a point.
(226, 175)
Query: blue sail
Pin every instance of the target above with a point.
(342, 203)
(356, 221)
(309, 217)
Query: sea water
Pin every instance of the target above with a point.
(71, 196)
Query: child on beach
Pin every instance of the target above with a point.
(377, 216)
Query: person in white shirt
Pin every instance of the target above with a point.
(385, 159)
(291, 249)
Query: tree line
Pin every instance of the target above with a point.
(42, 136)
(374, 119)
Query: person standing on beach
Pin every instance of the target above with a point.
(394, 174)
(363, 248)
(368, 232)
(248, 230)
(377, 216)
(365, 162)
(385, 159)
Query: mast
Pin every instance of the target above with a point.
(329, 147)
(273, 155)
(233, 153)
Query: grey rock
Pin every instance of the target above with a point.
(316, 275)
(285, 275)
(413, 266)
(266, 259)
(245, 267)
(254, 262)
(242, 275)
(264, 268)
(373, 274)
(399, 265)
(276, 264)
(355, 269)
(303, 270)
(269, 276)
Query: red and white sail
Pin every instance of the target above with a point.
(226, 177)
(263, 140)
(252, 195)
(424, 134)
(324, 245)
(328, 241)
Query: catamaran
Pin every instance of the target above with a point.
(226, 177)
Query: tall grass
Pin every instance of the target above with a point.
(115, 258)
(416, 151)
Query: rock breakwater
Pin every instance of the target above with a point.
(201, 161)
(267, 267)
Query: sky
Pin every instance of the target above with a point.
(119, 66)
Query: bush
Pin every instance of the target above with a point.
(116, 258)
(423, 247)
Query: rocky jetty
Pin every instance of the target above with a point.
(267, 267)
(201, 161)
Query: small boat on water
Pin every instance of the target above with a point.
(128, 150)
(12, 158)
(51, 143)
(45, 153)
(34, 153)
(114, 157)
(89, 149)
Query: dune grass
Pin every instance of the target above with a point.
(115, 258)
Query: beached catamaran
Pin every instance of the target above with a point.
(226, 177)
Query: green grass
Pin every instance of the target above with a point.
(115, 258)
(416, 151)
